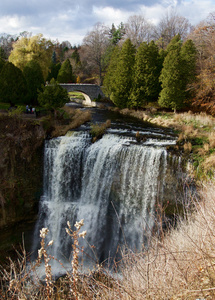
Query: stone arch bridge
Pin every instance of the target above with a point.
(90, 91)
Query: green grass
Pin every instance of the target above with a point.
(77, 95)
(4, 105)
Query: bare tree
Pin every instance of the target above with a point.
(6, 42)
(171, 25)
(203, 37)
(94, 46)
(138, 30)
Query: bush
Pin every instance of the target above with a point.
(98, 130)
(53, 96)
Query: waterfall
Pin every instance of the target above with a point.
(113, 184)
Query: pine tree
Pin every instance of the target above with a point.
(2, 62)
(65, 74)
(34, 79)
(53, 71)
(54, 58)
(172, 78)
(76, 56)
(13, 86)
(177, 73)
(108, 83)
(189, 57)
(2, 53)
(147, 68)
(53, 96)
(122, 78)
(116, 34)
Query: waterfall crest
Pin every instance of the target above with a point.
(112, 184)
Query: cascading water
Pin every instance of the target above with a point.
(113, 184)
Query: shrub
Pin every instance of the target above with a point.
(15, 112)
(98, 130)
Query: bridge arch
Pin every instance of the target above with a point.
(87, 100)
(90, 91)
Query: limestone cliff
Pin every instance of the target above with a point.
(21, 151)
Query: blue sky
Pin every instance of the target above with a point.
(71, 20)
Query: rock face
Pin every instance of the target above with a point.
(21, 156)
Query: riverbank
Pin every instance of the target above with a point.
(196, 137)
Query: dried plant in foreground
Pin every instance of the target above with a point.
(182, 265)
(75, 234)
(42, 252)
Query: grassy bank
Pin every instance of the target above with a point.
(196, 137)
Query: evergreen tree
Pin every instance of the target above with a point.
(53, 96)
(122, 78)
(54, 58)
(189, 57)
(177, 73)
(34, 78)
(172, 78)
(65, 74)
(53, 71)
(13, 86)
(2, 53)
(75, 55)
(2, 62)
(108, 84)
(116, 34)
(147, 68)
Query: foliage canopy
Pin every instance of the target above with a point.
(35, 48)
(147, 68)
(13, 87)
(53, 96)
(121, 79)
(177, 73)
(65, 73)
(34, 79)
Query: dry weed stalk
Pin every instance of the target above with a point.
(75, 234)
(188, 147)
(201, 119)
(206, 147)
(16, 281)
(42, 252)
(209, 163)
(211, 139)
(20, 281)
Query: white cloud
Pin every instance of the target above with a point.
(196, 10)
(10, 24)
(153, 13)
(71, 20)
(109, 15)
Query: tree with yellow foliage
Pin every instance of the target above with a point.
(35, 48)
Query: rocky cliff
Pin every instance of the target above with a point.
(21, 163)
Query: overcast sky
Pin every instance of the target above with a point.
(71, 20)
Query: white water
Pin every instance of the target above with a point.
(112, 184)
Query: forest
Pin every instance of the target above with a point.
(170, 65)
